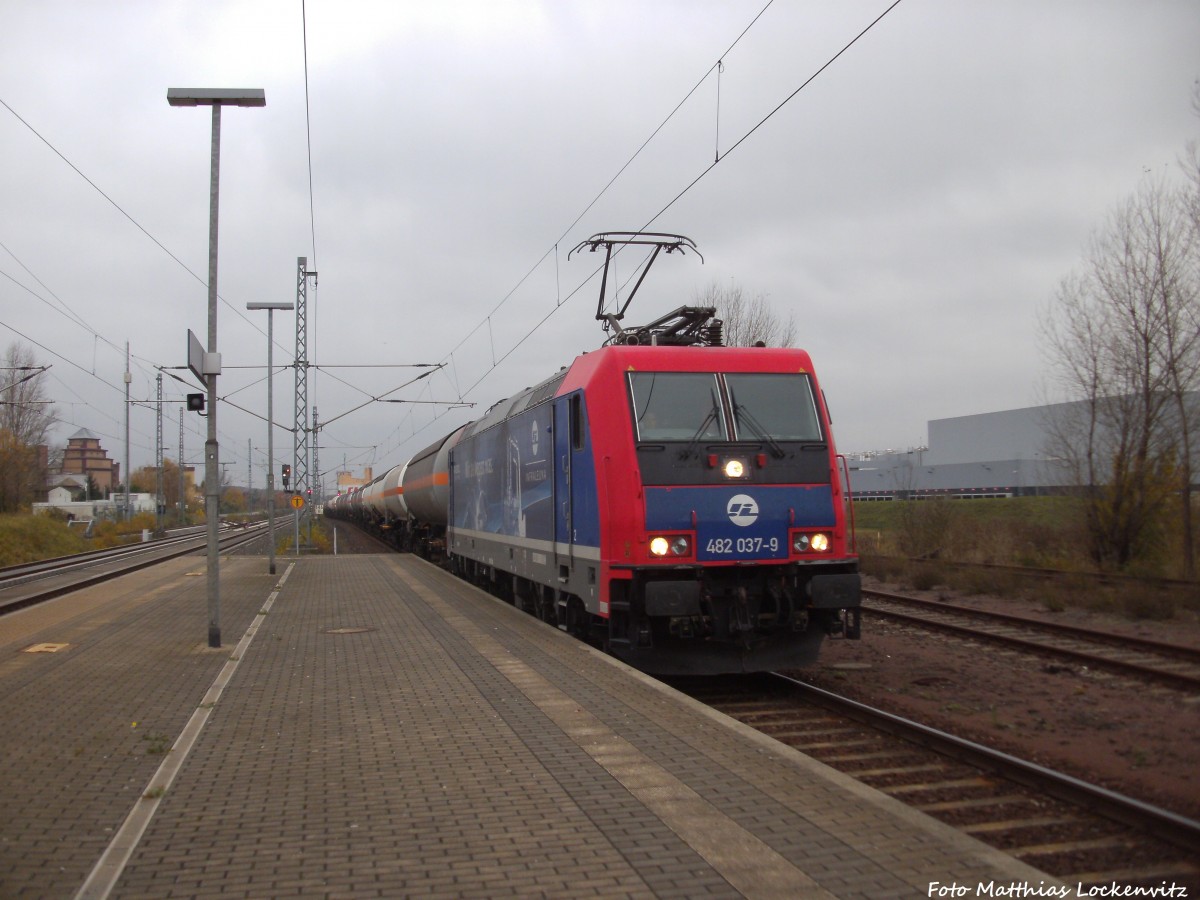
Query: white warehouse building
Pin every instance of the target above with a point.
(999, 454)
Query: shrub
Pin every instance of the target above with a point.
(1145, 602)
(925, 526)
(312, 540)
(885, 568)
(926, 578)
(27, 538)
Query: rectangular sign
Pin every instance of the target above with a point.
(195, 357)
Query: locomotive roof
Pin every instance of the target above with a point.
(510, 406)
(633, 357)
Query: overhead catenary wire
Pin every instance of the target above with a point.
(499, 355)
(553, 249)
(140, 361)
(722, 156)
(308, 132)
(72, 315)
(313, 305)
(65, 309)
(638, 152)
(65, 359)
(136, 224)
(69, 312)
(312, 215)
(719, 158)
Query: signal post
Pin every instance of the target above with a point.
(297, 502)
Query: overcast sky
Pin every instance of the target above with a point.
(914, 207)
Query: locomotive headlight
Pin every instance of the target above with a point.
(670, 545)
(734, 468)
(811, 543)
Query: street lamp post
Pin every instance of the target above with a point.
(270, 307)
(216, 98)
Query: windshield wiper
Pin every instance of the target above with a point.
(691, 445)
(740, 412)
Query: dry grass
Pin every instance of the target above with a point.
(948, 544)
(316, 540)
(112, 534)
(26, 538)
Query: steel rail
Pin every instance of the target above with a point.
(229, 541)
(1182, 680)
(1192, 654)
(18, 572)
(1164, 824)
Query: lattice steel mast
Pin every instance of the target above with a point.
(159, 509)
(300, 464)
(316, 459)
(182, 483)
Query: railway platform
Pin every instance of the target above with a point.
(372, 726)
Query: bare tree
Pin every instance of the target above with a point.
(1181, 358)
(1122, 336)
(25, 420)
(748, 320)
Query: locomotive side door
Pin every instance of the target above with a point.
(576, 517)
(576, 513)
(563, 506)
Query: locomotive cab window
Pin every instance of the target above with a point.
(677, 406)
(577, 426)
(776, 406)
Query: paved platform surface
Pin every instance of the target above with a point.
(375, 727)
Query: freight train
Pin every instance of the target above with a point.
(679, 504)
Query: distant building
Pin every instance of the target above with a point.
(345, 480)
(73, 482)
(84, 456)
(86, 510)
(999, 454)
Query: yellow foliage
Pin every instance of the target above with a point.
(26, 538)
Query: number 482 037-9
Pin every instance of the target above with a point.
(741, 546)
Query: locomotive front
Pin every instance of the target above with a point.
(736, 553)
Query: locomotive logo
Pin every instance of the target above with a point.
(534, 439)
(742, 510)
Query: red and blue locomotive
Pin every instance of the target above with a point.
(680, 504)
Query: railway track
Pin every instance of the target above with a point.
(1171, 664)
(33, 583)
(1035, 573)
(1080, 833)
(358, 540)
